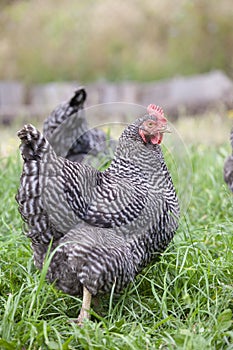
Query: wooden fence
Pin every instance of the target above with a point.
(190, 95)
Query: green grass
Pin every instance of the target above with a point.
(184, 301)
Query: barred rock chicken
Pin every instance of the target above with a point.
(67, 131)
(103, 227)
(228, 167)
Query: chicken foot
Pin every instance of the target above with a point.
(85, 309)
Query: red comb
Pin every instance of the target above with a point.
(153, 109)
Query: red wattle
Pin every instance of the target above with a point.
(141, 133)
(157, 139)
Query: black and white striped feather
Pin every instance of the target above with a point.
(228, 166)
(106, 226)
(68, 133)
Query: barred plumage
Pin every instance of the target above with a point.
(67, 131)
(105, 226)
(228, 166)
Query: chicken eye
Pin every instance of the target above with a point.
(150, 124)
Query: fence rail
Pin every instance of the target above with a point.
(191, 95)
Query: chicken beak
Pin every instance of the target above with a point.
(165, 128)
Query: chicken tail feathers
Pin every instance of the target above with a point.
(79, 98)
(41, 166)
(33, 143)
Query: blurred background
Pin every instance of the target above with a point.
(175, 53)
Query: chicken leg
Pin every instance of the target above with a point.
(85, 309)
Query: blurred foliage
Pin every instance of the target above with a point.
(44, 40)
(4, 3)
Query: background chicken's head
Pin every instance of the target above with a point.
(153, 128)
